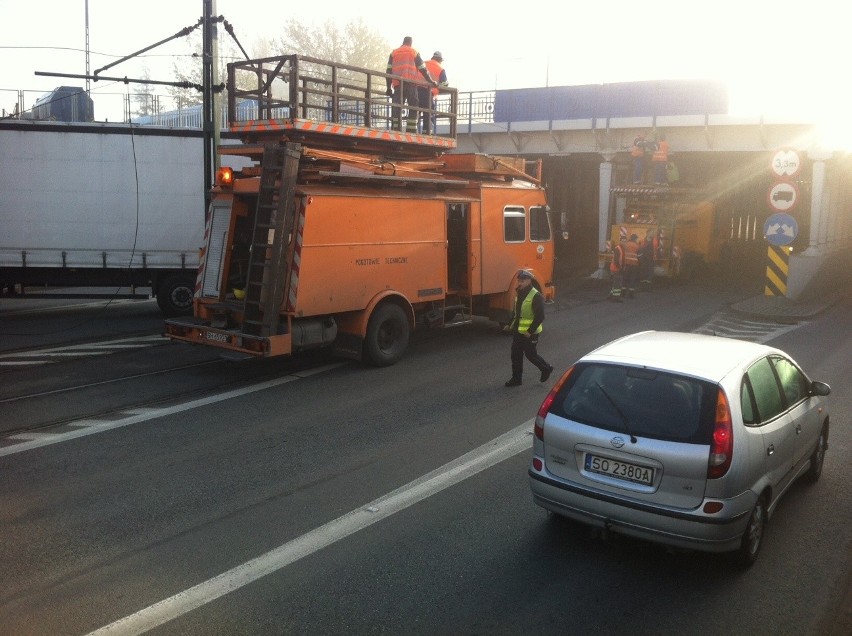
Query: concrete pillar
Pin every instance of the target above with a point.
(818, 199)
(604, 186)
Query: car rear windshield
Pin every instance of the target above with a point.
(639, 401)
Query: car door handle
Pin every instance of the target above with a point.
(798, 428)
(770, 449)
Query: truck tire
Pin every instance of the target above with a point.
(690, 267)
(387, 335)
(175, 293)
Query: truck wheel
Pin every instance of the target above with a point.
(690, 266)
(175, 293)
(387, 335)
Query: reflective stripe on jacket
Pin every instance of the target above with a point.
(527, 314)
(403, 62)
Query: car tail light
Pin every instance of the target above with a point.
(722, 447)
(538, 429)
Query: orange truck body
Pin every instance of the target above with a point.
(381, 241)
(686, 223)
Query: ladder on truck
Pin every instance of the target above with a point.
(273, 225)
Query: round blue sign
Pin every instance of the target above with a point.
(780, 229)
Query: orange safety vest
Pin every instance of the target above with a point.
(631, 254)
(617, 259)
(662, 151)
(434, 67)
(404, 64)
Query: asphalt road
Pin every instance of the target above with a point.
(158, 488)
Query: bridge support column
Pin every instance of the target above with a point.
(604, 186)
(818, 200)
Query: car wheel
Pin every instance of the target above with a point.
(753, 535)
(387, 335)
(818, 456)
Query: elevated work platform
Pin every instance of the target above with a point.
(324, 104)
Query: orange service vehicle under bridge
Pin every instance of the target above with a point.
(316, 244)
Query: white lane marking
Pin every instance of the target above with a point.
(501, 448)
(93, 426)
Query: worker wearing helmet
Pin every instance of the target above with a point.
(428, 97)
(525, 327)
(410, 73)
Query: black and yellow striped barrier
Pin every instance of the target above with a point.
(777, 269)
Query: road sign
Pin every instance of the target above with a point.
(780, 229)
(783, 196)
(786, 163)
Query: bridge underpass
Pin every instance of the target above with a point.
(727, 157)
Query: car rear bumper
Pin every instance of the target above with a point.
(689, 529)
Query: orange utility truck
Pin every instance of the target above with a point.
(684, 221)
(345, 233)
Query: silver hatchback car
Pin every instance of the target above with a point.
(683, 439)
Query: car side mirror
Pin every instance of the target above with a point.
(820, 388)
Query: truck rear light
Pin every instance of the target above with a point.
(722, 446)
(544, 409)
(225, 176)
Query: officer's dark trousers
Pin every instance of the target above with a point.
(521, 347)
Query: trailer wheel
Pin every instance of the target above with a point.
(175, 293)
(387, 335)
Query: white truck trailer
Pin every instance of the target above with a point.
(101, 205)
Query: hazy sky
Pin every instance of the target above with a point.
(778, 57)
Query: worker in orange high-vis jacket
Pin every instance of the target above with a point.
(616, 271)
(429, 96)
(660, 159)
(405, 62)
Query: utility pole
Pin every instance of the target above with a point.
(210, 124)
(88, 84)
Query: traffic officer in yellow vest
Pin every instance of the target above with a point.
(526, 327)
(405, 62)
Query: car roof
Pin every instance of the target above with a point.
(708, 357)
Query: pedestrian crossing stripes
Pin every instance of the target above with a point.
(35, 357)
(731, 325)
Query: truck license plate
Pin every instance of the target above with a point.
(216, 337)
(620, 470)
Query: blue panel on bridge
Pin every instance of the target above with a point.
(628, 99)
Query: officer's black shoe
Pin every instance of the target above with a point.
(513, 382)
(546, 374)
